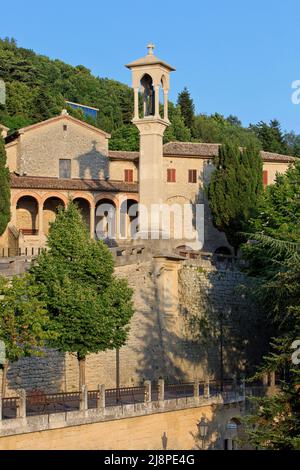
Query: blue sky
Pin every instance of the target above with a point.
(235, 57)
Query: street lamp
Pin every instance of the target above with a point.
(203, 428)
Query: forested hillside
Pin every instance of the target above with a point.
(37, 86)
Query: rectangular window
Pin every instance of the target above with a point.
(171, 175)
(128, 176)
(265, 177)
(64, 168)
(192, 176)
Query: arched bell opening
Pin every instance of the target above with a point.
(148, 95)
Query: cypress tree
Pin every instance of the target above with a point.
(4, 189)
(234, 189)
(187, 108)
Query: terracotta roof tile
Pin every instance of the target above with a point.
(35, 182)
(123, 155)
(195, 149)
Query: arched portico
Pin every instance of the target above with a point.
(50, 208)
(106, 220)
(84, 207)
(27, 212)
(128, 219)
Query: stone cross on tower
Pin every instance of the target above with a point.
(149, 75)
(150, 48)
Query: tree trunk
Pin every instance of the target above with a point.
(4, 378)
(81, 362)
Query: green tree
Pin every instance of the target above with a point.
(275, 421)
(277, 217)
(187, 108)
(24, 323)
(271, 136)
(4, 189)
(217, 129)
(177, 130)
(234, 189)
(274, 261)
(89, 307)
(125, 138)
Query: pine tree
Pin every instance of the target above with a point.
(90, 309)
(234, 189)
(275, 421)
(4, 189)
(274, 260)
(187, 108)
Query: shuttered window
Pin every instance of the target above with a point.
(128, 176)
(64, 168)
(265, 177)
(171, 175)
(192, 176)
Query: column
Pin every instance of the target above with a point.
(156, 106)
(40, 215)
(147, 385)
(136, 103)
(166, 115)
(206, 390)
(196, 389)
(101, 397)
(21, 409)
(92, 221)
(161, 390)
(84, 398)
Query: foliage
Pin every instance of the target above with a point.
(90, 309)
(217, 129)
(274, 259)
(186, 104)
(177, 131)
(4, 189)
(125, 138)
(277, 217)
(24, 323)
(270, 136)
(37, 86)
(234, 189)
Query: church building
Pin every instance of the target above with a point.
(64, 158)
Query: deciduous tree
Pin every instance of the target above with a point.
(89, 307)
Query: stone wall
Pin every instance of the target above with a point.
(43, 146)
(171, 424)
(220, 317)
(173, 334)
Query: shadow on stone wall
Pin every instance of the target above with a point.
(163, 347)
(229, 329)
(93, 164)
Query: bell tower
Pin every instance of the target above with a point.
(150, 77)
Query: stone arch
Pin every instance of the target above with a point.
(57, 195)
(84, 207)
(27, 210)
(111, 197)
(50, 208)
(148, 92)
(232, 433)
(105, 219)
(128, 218)
(23, 193)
